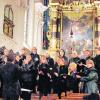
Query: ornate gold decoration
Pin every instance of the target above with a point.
(74, 11)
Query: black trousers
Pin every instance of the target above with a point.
(26, 95)
(11, 98)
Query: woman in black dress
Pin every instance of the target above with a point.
(44, 77)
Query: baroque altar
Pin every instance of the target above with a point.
(73, 25)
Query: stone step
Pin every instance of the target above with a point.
(70, 96)
(50, 97)
(76, 94)
(74, 98)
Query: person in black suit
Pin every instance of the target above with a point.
(1, 62)
(92, 96)
(50, 63)
(28, 77)
(10, 78)
(97, 64)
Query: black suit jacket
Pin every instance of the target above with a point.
(10, 77)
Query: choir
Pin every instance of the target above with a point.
(26, 72)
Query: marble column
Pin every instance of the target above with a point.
(38, 26)
(28, 41)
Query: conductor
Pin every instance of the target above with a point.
(10, 77)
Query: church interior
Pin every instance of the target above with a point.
(53, 28)
(49, 24)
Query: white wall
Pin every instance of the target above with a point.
(18, 35)
(18, 41)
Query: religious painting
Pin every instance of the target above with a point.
(8, 24)
(77, 32)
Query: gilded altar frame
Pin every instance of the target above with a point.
(57, 10)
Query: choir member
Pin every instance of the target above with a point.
(72, 81)
(6, 52)
(87, 54)
(62, 72)
(50, 60)
(18, 60)
(22, 55)
(57, 54)
(62, 55)
(35, 56)
(90, 79)
(74, 57)
(44, 77)
(54, 76)
(50, 63)
(97, 63)
(28, 77)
